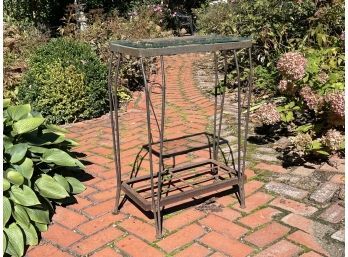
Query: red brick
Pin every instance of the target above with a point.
(60, 235)
(183, 218)
(249, 173)
(293, 206)
(139, 228)
(228, 213)
(267, 235)
(333, 214)
(130, 208)
(223, 226)
(99, 160)
(68, 218)
(137, 248)
(81, 204)
(99, 223)
(302, 223)
(228, 246)
(89, 190)
(180, 238)
(259, 217)
(105, 184)
(311, 254)
(100, 208)
(106, 252)
(226, 200)
(270, 167)
(217, 254)
(96, 241)
(254, 201)
(194, 250)
(94, 168)
(102, 150)
(307, 240)
(281, 249)
(47, 250)
(103, 195)
(252, 186)
(338, 179)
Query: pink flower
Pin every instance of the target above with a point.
(267, 114)
(314, 101)
(287, 87)
(333, 139)
(292, 65)
(336, 102)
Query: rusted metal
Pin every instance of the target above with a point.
(169, 185)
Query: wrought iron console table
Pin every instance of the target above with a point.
(154, 191)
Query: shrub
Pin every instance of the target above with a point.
(20, 41)
(66, 82)
(37, 170)
(105, 27)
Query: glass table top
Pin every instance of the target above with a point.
(179, 41)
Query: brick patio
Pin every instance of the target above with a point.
(279, 220)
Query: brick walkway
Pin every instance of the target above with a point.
(276, 222)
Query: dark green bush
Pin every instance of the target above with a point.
(66, 81)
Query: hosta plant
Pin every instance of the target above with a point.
(37, 172)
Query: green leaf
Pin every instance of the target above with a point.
(18, 112)
(31, 237)
(15, 177)
(15, 245)
(316, 145)
(5, 185)
(39, 215)
(28, 124)
(304, 128)
(20, 215)
(25, 196)
(4, 241)
(61, 158)
(6, 103)
(7, 210)
(50, 188)
(18, 152)
(41, 227)
(289, 116)
(7, 142)
(322, 152)
(62, 181)
(71, 142)
(37, 149)
(55, 128)
(26, 168)
(77, 186)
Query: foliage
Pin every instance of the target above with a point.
(47, 12)
(105, 27)
(37, 174)
(66, 82)
(276, 27)
(299, 59)
(20, 40)
(313, 107)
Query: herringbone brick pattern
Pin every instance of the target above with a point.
(270, 225)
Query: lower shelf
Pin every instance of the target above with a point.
(181, 182)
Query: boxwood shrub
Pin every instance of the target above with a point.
(66, 82)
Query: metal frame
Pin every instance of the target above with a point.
(163, 183)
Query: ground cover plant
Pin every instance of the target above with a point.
(39, 172)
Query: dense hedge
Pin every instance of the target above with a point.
(66, 81)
